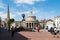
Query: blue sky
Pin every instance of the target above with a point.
(42, 9)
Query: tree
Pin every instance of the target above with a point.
(9, 22)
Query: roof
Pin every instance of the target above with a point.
(16, 22)
(57, 17)
(44, 21)
(50, 20)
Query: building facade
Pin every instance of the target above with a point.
(57, 22)
(30, 22)
(46, 24)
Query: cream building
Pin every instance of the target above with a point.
(30, 22)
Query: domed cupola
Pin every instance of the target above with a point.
(31, 17)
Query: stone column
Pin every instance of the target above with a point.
(28, 25)
(31, 25)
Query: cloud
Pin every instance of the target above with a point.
(28, 12)
(3, 6)
(12, 15)
(4, 15)
(30, 2)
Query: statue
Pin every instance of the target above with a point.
(23, 16)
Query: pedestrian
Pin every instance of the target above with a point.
(39, 27)
(12, 32)
(56, 32)
(51, 30)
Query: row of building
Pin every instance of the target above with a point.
(31, 22)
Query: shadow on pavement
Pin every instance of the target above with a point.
(5, 35)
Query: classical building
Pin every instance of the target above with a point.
(29, 22)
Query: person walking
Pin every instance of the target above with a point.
(56, 32)
(51, 30)
(39, 27)
(12, 31)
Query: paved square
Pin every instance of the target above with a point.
(42, 35)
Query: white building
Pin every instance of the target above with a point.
(49, 24)
(57, 21)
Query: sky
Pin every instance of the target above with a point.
(42, 9)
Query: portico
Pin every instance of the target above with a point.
(32, 25)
